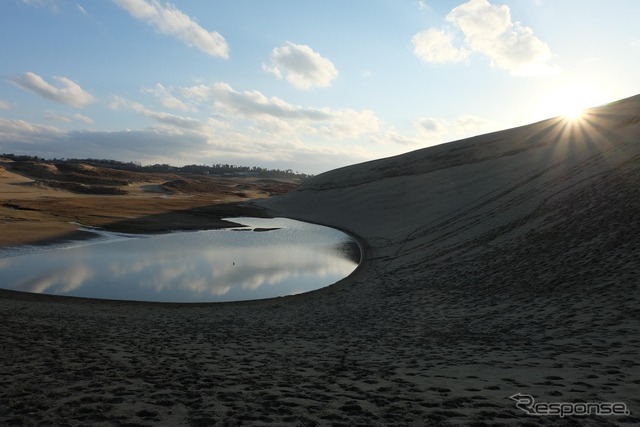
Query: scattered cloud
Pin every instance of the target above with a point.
(487, 29)
(171, 120)
(167, 99)
(167, 19)
(4, 105)
(68, 92)
(151, 145)
(278, 116)
(303, 67)
(68, 118)
(435, 45)
(164, 144)
(20, 131)
(245, 128)
(255, 105)
(81, 9)
(422, 5)
(220, 122)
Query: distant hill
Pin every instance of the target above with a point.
(100, 177)
(216, 169)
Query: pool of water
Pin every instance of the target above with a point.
(265, 258)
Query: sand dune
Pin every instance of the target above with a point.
(502, 264)
(45, 202)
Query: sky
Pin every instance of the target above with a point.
(302, 85)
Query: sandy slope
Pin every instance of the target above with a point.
(501, 264)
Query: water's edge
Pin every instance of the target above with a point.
(349, 246)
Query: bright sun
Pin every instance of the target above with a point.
(574, 112)
(570, 101)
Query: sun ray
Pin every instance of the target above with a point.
(565, 135)
(571, 101)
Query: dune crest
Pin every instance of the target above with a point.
(470, 176)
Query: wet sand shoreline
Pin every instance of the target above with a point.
(61, 278)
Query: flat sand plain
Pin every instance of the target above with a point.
(502, 264)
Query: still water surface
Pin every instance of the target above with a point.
(201, 266)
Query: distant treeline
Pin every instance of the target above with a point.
(214, 169)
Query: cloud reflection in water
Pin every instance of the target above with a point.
(61, 281)
(221, 265)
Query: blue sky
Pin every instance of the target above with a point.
(304, 85)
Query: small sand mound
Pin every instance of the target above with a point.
(193, 186)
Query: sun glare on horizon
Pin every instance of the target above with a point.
(574, 112)
(571, 101)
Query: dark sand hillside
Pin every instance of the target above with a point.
(502, 264)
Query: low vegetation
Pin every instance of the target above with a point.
(218, 169)
(97, 176)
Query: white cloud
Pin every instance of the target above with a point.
(245, 128)
(4, 105)
(68, 92)
(277, 115)
(435, 45)
(167, 99)
(83, 118)
(81, 9)
(253, 113)
(152, 145)
(303, 67)
(68, 118)
(249, 129)
(171, 120)
(198, 94)
(167, 19)
(164, 144)
(488, 30)
(20, 131)
(255, 105)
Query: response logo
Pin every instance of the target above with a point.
(527, 403)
